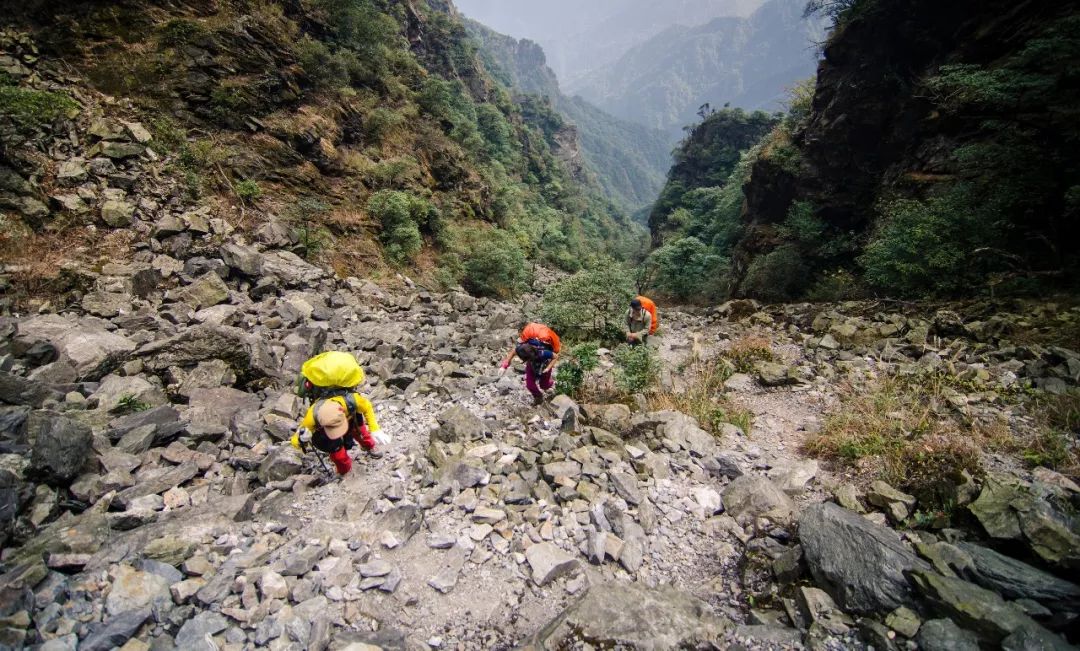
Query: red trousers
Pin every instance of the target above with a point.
(340, 457)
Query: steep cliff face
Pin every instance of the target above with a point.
(940, 143)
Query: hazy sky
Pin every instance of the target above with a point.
(581, 35)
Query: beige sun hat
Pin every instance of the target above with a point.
(331, 417)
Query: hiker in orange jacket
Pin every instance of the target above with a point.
(538, 346)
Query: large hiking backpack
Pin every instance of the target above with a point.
(649, 306)
(329, 374)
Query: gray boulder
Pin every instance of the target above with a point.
(1014, 579)
(458, 424)
(60, 446)
(116, 631)
(619, 615)
(15, 390)
(283, 462)
(861, 564)
(90, 348)
(1037, 513)
(978, 609)
(755, 496)
(248, 355)
(945, 635)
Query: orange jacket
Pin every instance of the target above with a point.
(542, 333)
(650, 307)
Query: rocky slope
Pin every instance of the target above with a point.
(289, 119)
(150, 498)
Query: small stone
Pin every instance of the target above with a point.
(441, 541)
(904, 621)
(273, 586)
(484, 515)
(549, 563)
(375, 568)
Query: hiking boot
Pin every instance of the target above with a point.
(375, 454)
(539, 400)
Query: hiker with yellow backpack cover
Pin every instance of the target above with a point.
(340, 417)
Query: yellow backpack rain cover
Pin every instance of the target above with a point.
(333, 369)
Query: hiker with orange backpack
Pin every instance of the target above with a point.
(339, 417)
(641, 320)
(538, 346)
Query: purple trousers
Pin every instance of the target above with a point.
(532, 374)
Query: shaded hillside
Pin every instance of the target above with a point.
(746, 62)
(934, 156)
(629, 160)
(366, 131)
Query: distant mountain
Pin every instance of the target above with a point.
(580, 36)
(630, 161)
(747, 62)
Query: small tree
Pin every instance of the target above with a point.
(590, 304)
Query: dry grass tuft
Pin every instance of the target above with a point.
(747, 350)
(36, 263)
(903, 431)
(703, 398)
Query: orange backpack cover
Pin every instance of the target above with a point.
(542, 333)
(650, 307)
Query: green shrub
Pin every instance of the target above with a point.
(381, 122)
(636, 368)
(402, 215)
(927, 247)
(311, 240)
(494, 265)
(590, 304)
(575, 365)
(28, 109)
(687, 268)
(248, 190)
(779, 275)
(324, 68)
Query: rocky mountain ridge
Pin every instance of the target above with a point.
(747, 63)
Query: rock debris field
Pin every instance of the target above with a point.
(150, 498)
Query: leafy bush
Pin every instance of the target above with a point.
(777, 276)
(311, 240)
(324, 68)
(928, 247)
(494, 265)
(636, 368)
(402, 215)
(748, 350)
(248, 190)
(590, 304)
(572, 371)
(180, 31)
(687, 267)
